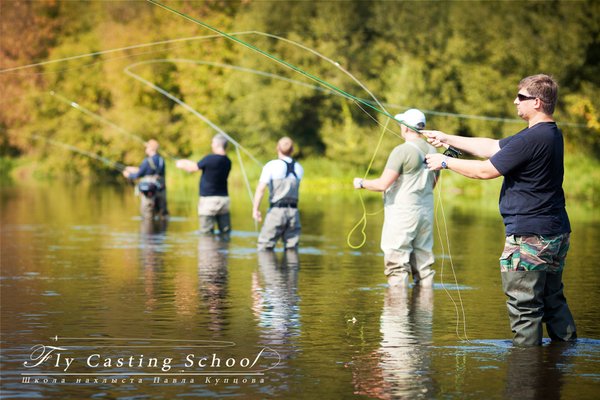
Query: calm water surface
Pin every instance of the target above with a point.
(155, 311)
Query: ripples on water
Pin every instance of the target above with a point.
(329, 325)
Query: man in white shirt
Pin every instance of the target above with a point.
(282, 176)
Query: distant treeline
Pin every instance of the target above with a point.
(459, 61)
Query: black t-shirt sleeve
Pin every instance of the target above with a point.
(202, 163)
(514, 151)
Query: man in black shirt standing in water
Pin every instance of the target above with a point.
(532, 204)
(213, 207)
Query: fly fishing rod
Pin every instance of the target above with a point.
(113, 164)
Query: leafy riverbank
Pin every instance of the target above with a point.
(89, 91)
(323, 176)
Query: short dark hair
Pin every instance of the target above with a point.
(544, 87)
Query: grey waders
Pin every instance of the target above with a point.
(223, 221)
(536, 297)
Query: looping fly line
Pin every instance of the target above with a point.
(280, 61)
(363, 220)
(341, 92)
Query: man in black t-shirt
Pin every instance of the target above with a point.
(213, 207)
(532, 204)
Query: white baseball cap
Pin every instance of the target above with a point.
(412, 117)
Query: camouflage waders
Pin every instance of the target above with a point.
(531, 268)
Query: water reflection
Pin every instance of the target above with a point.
(152, 238)
(536, 373)
(212, 279)
(119, 278)
(400, 368)
(153, 228)
(276, 300)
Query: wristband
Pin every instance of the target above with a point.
(360, 183)
(444, 163)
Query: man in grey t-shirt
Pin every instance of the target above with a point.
(407, 234)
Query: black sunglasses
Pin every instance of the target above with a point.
(523, 97)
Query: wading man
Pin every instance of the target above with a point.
(532, 204)
(152, 187)
(214, 203)
(407, 234)
(282, 221)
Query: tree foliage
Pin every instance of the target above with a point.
(458, 61)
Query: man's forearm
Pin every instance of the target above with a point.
(479, 147)
(187, 165)
(474, 169)
(256, 201)
(374, 185)
(258, 195)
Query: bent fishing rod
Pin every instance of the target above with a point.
(113, 164)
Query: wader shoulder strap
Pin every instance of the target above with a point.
(290, 168)
(153, 165)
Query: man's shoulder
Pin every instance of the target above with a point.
(542, 128)
(222, 158)
(538, 133)
(270, 165)
(545, 130)
(280, 162)
(403, 149)
(273, 162)
(279, 165)
(154, 161)
(216, 158)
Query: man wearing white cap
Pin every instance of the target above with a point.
(407, 234)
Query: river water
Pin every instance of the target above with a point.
(98, 304)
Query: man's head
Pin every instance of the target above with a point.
(285, 146)
(541, 87)
(151, 147)
(219, 143)
(413, 117)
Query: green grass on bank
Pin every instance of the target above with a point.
(581, 181)
(324, 176)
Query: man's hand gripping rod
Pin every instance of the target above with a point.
(450, 151)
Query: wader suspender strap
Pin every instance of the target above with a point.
(290, 168)
(159, 179)
(153, 166)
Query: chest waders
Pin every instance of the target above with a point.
(152, 188)
(282, 219)
(531, 269)
(215, 210)
(407, 232)
(284, 192)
